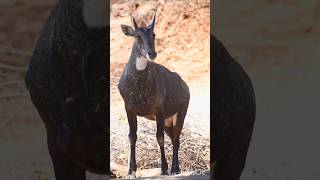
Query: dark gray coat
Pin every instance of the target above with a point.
(234, 112)
(66, 82)
(154, 89)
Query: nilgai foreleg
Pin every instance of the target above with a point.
(132, 119)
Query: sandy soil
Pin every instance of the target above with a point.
(278, 44)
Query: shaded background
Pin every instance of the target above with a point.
(277, 42)
(24, 153)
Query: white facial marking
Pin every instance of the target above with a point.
(141, 63)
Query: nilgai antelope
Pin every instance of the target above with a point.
(234, 113)
(66, 80)
(152, 91)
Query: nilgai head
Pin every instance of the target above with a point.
(145, 38)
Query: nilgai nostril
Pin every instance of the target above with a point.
(154, 92)
(152, 55)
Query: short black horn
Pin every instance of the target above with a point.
(135, 23)
(153, 22)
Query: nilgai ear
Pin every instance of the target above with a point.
(127, 30)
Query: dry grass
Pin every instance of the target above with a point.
(194, 152)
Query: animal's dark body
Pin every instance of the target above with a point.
(153, 92)
(234, 113)
(66, 82)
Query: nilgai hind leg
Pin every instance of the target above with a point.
(173, 127)
(160, 139)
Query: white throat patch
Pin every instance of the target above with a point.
(141, 63)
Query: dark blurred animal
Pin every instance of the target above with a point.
(66, 80)
(234, 112)
(152, 91)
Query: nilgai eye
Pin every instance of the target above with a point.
(154, 35)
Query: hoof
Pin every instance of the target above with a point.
(112, 175)
(164, 172)
(132, 175)
(175, 171)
